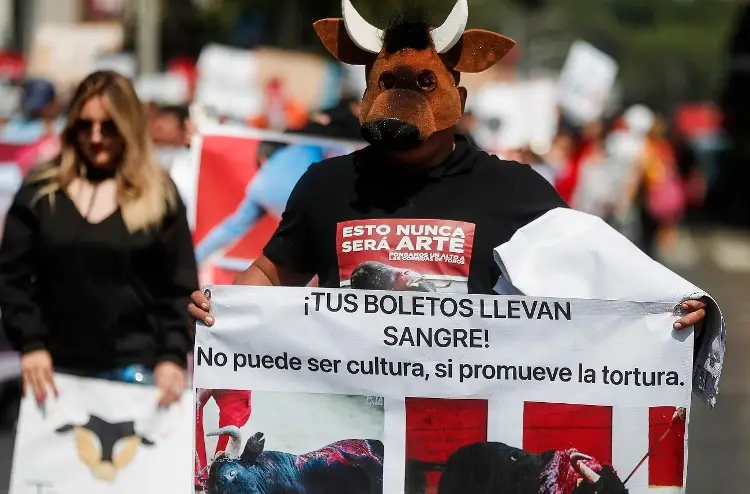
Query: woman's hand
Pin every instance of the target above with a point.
(37, 373)
(171, 380)
(695, 315)
(200, 304)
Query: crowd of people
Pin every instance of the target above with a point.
(630, 169)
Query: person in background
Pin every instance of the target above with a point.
(537, 163)
(280, 167)
(340, 121)
(168, 126)
(40, 114)
(589, 146)
(560, 150)
(104, 222)
(170, 131)
(657, 189)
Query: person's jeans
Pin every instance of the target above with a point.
(135, 374)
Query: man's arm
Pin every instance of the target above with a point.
(231, 229)
(263, 272)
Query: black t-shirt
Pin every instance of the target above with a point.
(357, 221)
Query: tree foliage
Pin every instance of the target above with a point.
(668, 50)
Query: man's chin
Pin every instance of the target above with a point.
(396, 145)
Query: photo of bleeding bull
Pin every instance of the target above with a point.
(372, 275)
(486, 466)
(293, 443)
(496, 467)
(106, 448)
(350, 466)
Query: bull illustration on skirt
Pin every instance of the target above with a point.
(105, 447)
(350, 466)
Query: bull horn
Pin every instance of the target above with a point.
(362, 33)
(449, 33)
(587, 472)
(234, 447)
(577, 456)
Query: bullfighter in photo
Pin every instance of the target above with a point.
(348, 466)
(234, 410)
(417, 168)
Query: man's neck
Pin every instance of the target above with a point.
(433, 152)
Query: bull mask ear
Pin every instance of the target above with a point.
(478, 50)
(253, 449)
(334, 36)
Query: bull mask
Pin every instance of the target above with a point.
(413, 69)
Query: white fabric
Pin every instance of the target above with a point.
(568, 253)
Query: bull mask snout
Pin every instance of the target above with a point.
(391, 133)
(397, 119)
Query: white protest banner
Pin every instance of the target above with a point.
(378, 391)
(102, 437)
(586, 82)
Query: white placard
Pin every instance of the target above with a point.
(66, 53)
(227, 100)
(331, 355)
(526, 112)
(164, 88)
(232, 66)
(125, 64)
(586, 82)
(102, 437)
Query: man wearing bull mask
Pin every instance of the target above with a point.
(516, 233)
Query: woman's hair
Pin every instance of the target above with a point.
(144, 191)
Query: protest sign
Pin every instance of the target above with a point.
(586, 82)
(102, 437)
(513, 115)
(244, 178)
(381, 391)
(163, 88)
(66, 53)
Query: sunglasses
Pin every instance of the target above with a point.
(108, 128)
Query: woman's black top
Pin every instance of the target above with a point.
(94, 295)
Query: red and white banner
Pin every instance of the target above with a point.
(225, 207)
(478, 393)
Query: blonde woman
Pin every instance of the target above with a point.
(100, 227)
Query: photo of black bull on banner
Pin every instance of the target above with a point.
(485, 467)
(351, 465)
(373, 275)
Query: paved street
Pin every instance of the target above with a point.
(719, 460)
(719, 439)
